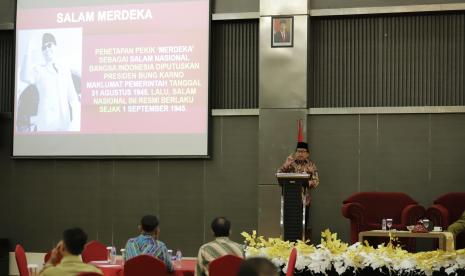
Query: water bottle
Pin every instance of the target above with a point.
(170, 253)
(178, 258)
(383, 224)
(178, 255)
(111, 254)
(122, 253)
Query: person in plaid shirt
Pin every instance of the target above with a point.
(221, 246)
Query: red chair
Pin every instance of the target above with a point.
(366, 210)
(89, 274)
(48, 255)
(145, 265)
(445, 210)
(291, 262)
(94, 251)
(21, 260)
(227, 265)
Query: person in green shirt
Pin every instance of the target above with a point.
(458, 226)
(69, 249)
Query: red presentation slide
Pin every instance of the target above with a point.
(128, 69)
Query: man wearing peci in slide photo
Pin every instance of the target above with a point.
(58, 108)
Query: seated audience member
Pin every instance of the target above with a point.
(458, 226)
(258, 267)
(69, 249)
(221, 246)
(147, 242)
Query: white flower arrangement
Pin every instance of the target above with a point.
(331, 253)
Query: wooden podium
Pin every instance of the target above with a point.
(292, 219)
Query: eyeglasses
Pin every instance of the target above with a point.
(47, 45)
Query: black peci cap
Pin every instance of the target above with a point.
(302, 145)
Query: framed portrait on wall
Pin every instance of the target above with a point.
(282, 31)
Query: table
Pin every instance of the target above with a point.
(446, 239)
(185, 268)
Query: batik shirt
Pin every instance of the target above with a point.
(219, 247)
(147, 245)
(304, 166)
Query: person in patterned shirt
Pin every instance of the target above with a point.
(299, 162)
(147, 242)
(221, 246)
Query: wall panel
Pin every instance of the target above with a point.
(7, 61)
(401, 60)
(234, 64)
(340, 4)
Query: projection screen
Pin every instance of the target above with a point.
(111, 78)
